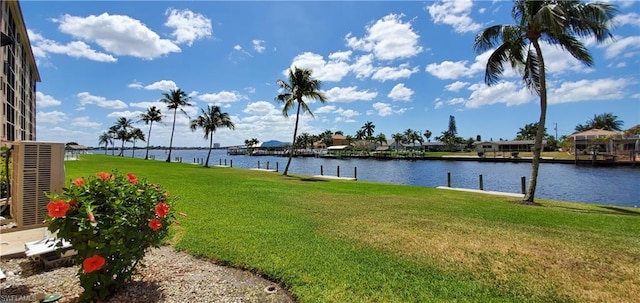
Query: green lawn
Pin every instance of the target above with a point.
(346, 241)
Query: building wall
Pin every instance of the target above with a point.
(18, 78)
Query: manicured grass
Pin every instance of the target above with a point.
(345, 241)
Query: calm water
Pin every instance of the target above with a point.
(602, 185)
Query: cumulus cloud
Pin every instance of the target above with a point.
(258, 45)
(43, 100)
(394, 73)
(349, 94)
(504, 92)
(77, 49)
(456, 86)
(454, 13)
(127, 114)
(386, 109)
(449, 70)
(388, 38)
(400, 93)
(117, 34)
(163, 85)
(589, 90)
(628, 46)
(332, 70)
(222, 97)
(187, 25)
(53, 117)
(626, 19)
(363, 67)
(84, 122)
(86, 98)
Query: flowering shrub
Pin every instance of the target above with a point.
(110, 219)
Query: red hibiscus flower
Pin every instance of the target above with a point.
(78, 182)
(91, 217)
(93, 263)
(155, 224)
(162, 209)
(57, 209)
(104, 176)
(132, 178)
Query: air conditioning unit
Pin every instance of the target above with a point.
(38, 167)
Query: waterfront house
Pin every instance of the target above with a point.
(599, 140)
(338, 139)
(514, 146)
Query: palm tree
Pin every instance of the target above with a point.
(136, 134)
(210, 121)
(112, 132)
(106, 139)
(554, 22)
(175, 99)
(528, 132)
(368, 129)
(399, 138)
(606, 121)
(300, 85)
(153, 114)
(381, 138)
(427, 134)
(121, 128)
(360, 135)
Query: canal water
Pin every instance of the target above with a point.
(601, 185)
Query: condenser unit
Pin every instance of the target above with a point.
(38, 168)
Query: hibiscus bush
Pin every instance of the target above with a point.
(110, 219)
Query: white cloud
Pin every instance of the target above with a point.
(363, 66)
(85, 122)
(163, 85)
(332, 70)
(43, 100)
(340, 56)
(133, 115)
(87, 98)
(118, 34)
(400, 93)
(456, 86)
(388, 38)
(221, 97)
(449, 69)
(348, 94)
(385, 109)
(629, 46)
(258, 45)
(325, 109)
(394, 73)
(188, 26)
(454, 13)
(53, 117)
(508, 93)
(588, 90)
(147, 104)
(626, 19)
(76, 49)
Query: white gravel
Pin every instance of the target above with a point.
(169, 276)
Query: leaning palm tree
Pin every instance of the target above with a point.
(106, 139)
(122, 133)
(554, 22)
(175, 99)
(136, 134)
(210, 121)
(153, 114)
(300, 85)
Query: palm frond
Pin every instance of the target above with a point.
(531, 72)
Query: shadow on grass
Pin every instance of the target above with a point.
(607, 210)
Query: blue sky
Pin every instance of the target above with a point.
(399, 65)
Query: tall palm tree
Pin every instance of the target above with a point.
(368, 129)
(175, 99)
(300, 85)
(106, 139)
(607, 121)
(122, 133)
(427, 134)
(153, 114)
(136, 134)
(112, 132)
(210, 121)
(554, 22)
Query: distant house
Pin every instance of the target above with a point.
(319, 145)
(606, 141)
(338, 139)
(435, 146)
(513, 146)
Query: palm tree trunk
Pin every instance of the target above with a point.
(295, 133)
(133, 151)
(106, 147)
(113, 148)
(175, 111)
(537, 146)
(121, 149)
(206, 163)
(146, 157)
